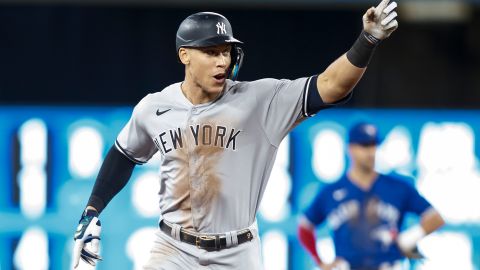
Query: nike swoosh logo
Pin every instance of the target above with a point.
(161, 112)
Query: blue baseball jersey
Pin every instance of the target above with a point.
(365, 222)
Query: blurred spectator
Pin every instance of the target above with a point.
(365, 211)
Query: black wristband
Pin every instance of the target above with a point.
(362, 50)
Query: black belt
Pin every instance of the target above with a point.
(207, 242)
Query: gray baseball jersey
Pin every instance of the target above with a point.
(216, 157)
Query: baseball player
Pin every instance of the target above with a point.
(365, 211)
(218, 138)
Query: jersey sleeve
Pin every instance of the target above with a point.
(416, 203)
(133, 140)
(285, 103)
(279, 105)
(316, 212)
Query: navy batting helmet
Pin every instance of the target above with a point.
(206, 29)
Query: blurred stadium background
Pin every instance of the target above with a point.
(71, 71)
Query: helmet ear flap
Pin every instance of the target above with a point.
(237, 61)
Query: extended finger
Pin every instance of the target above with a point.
(379, 9)
(389, 18)
(392, 25)
(390, 7)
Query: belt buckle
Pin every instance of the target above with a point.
(198, 240)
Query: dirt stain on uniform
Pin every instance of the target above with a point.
(206, 184)
(197, 182)
(181, 187)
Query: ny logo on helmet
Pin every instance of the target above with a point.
(221, 28)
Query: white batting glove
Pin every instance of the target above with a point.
(87, 239)
(380, 21)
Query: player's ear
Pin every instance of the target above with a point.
(184, 56)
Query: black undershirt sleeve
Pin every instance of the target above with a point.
(113, 176)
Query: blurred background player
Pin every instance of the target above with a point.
(365, 210)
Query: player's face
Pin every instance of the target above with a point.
(363, 156)
(208, 68)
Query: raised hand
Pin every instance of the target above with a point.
(380, 21)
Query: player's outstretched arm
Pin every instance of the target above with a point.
(344, 73)
(113, 176)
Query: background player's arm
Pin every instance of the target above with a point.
(313, 215)
(306, 235)
(343, 74)
(407, 240)
(431, 220)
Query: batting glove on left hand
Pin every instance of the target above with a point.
(380, 21)
(87, 239)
